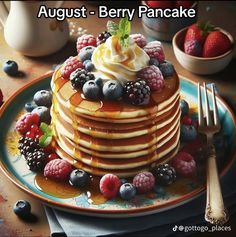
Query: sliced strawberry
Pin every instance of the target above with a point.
(184, 4)
(161, 4)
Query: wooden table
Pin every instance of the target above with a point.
(220, 13)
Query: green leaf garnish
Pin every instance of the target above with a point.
(121, 30)
(46, 139)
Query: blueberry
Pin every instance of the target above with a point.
(44, 114)
(188, 133)
(22, 208)
(99, 81)
(86, 53)
(91, 90)
(43, 98)
(127, 191)
(10, 67)
(154, 62)
(184, 108)
(89, 66)
(30, 106)
(167, 69)
(79, 178)
(112, 90)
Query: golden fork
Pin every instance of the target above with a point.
(209, 125)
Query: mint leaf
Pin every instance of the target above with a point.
(125, 26)
(46, 139)
(112, 27)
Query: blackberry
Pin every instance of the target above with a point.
(137, 92)
(165, 174)
(79, 77)
(28, 145)
(102, 37)
(36, 160)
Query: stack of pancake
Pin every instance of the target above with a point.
(115, 137)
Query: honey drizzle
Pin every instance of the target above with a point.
(59, 82)
(65, 190)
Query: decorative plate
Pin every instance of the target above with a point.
(63, 196)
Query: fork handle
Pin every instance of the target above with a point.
(215, 212)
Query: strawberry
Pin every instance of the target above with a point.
(160, 4)
(198, 32)
(217, 43)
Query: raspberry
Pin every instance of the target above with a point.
(1, 97)
(154, 50)
(57, 169)
(184, 164)
(139, 39)
(137, 92)
(85, 40)
(144, 182)
(79, 77)
(23, 125)
(153, 76)
(70, 65)
(109, 185)
(102, 37)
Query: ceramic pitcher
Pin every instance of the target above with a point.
(30, 35)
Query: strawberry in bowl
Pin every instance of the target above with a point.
(203, 49)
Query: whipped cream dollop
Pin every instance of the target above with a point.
(113, 61)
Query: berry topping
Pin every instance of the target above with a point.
(22, 208)
(86, 53)
(153, 76)
(184, 107)
(28, 145)
(217, 43)
(79, 178)
(193, 47)
(112, 90)
(1, 97)
(161, 4)
(184, 164)
(186, 120)
(43, 113)
(79, 77)
(34, 132)
(85, 40)
(30, 106)
(154, 50)
(127, 191)
(92, 91)
(165, 174)
(36, 160)
(137, 92)
(99, 81)
(10, 67)
(43, 98)
(144, 182)
(154, 62)
(167, 69)
(70, 65)
(187, 133)
(139, 39)
(23, 125)
(57, 169)
(109, 185)
(102, 37)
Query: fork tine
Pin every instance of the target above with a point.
(215, 108)
(200, 110)
(208, 111)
